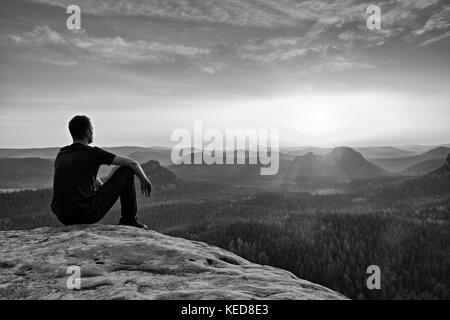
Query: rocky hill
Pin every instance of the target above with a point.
(342, 163)
(161, 177)
(118, 262)
(443, 171)
(422, 168)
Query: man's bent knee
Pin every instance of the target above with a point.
(126, 171)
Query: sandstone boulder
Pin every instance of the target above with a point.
(119, 262)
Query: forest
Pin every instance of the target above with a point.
(335, 249)
(403, 228)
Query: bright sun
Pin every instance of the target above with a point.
(313, 115)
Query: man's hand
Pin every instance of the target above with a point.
(146, 187)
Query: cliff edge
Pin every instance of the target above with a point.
(119, 262)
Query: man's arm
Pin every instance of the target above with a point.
(98, 182)
(146, 186)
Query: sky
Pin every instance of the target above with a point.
(141, 69)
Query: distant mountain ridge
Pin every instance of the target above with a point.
(38, 173)
(422, 168)
(366, 152)
(444, 170)
(310, 165)
(342, 163)
(339, 165)
(163, 156)
(369, 152)
(400, 164)
(51, 152)
(436, 182)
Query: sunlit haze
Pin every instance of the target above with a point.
(316, 73)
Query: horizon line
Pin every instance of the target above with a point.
(444, 144)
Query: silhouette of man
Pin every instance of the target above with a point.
(79, 196)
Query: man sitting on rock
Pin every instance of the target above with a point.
(79, 197)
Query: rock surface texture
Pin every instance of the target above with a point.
(119, 262)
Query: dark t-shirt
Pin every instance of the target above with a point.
(75, 173)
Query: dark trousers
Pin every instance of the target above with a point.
(119, 185)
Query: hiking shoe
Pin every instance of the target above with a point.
(132, 223)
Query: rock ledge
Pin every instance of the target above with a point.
(118, 262)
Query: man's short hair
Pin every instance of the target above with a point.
(78, 126)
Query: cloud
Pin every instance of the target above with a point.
(435, 39)
(436, 28)
(70, 48)
(84, 47)
(212, 67)
(234, 12)
(271, 50)
(252, 13)
(118, 50)
(337, 64)
(312, 18)
(239, 34)
(39, 36)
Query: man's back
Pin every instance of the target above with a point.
(76, 168)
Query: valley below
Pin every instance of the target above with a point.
(323, 225)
